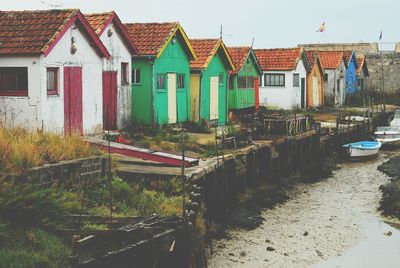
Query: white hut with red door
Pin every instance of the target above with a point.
(117, 97)
(51, 71)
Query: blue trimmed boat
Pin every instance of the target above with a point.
(362, 149)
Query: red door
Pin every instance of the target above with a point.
(256, 94)
(73, 100)
(110, 100)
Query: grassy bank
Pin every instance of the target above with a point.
(22, 149)
(32, 215)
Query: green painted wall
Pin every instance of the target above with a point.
(173, 60)
(142, 93)
(243, 98)
(215, 67)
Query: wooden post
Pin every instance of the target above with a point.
(369, 104)
(373, 112)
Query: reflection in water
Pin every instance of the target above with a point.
(380, 248)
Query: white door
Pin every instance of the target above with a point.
(315, 92)
(171, 98)
(214, 98)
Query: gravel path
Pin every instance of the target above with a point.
(319, 221)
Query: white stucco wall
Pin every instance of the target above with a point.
(42, 111)
(119, 53)
(23, 111)
(91, 63)
(284, 97)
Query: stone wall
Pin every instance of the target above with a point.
(68, 171)
(391, 71)
(363, 48)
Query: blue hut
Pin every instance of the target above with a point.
(351, 71)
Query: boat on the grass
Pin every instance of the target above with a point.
(362, 149)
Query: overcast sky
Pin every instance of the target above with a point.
(278, 23)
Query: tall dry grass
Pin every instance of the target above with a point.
(21, 149)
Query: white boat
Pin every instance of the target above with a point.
(396, 119)
(390, 134)
(362, 149)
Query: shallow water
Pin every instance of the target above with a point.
(379, 248)
(332, 223)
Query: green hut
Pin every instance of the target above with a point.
(160, 73)
(208, 80)
(243, 93)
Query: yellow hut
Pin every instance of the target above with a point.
(315, 81)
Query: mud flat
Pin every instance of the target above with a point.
(318, 225)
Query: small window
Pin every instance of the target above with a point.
(281, 80)
(326, 77)
(260, 80)
(52, 81)
(296, 80)
(14, 81)
(124, 73)
(241, 80)
(181, 81)
(274, 80)
(250, 82)
(221, 79)
(160, 81)
(231, 82)
(267, 80)
(136, 76)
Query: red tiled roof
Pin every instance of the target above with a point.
(100, 21)
(204, 48)
(238, 56)
(330, 59)
(311, 56)
(278, 58)
(314, 59)
(30, 32)
(360, 62)
(149, 38)
(347, 55)
(37, 32)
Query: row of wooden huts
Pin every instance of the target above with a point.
(61, 70)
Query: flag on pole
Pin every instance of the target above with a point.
(380, 36)
(321, 28)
